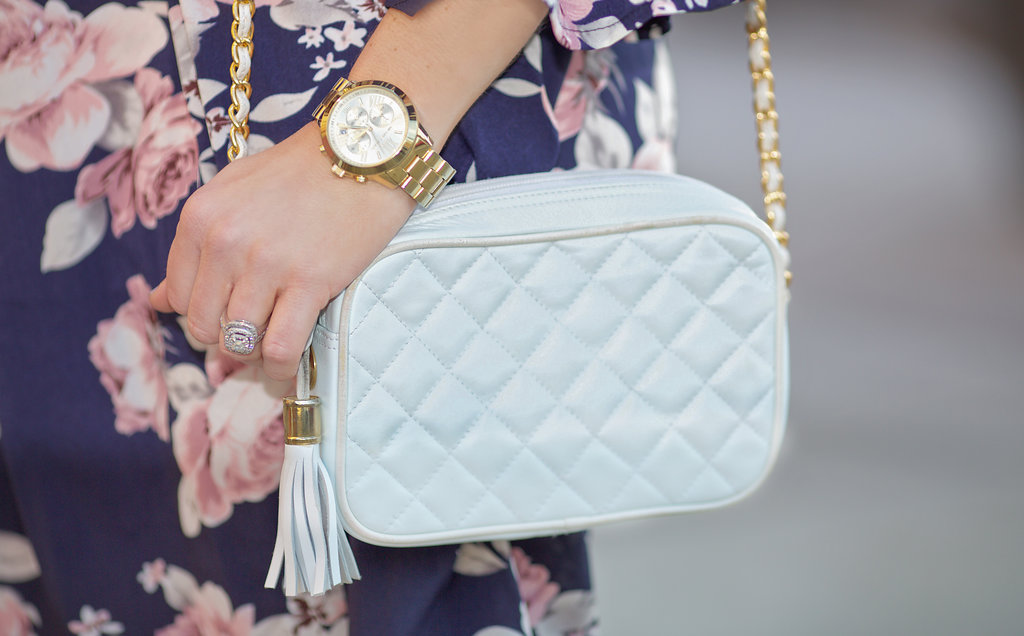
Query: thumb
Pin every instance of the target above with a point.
(158, 298)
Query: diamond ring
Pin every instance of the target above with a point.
(241, 336)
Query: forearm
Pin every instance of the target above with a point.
(447, 55)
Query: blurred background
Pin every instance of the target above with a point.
(896, 506)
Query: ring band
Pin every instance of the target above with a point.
(241, 336)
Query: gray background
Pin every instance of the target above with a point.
(896, 505)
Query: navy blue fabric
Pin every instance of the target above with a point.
(105, 406)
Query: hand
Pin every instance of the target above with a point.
(271, 239)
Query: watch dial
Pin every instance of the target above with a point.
(367, 126)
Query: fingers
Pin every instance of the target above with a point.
(251, 302)
(208, 301)
(158, 298)
(293, 320)
(183, 258)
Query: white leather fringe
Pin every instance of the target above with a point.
(311, 546)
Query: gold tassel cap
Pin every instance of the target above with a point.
(302, 424)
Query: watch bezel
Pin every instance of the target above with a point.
(407, 144)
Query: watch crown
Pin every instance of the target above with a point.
(336, 169)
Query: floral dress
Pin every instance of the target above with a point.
(138, 470)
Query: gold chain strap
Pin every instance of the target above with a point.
(241, 69)
(767, 122)
(760, 72)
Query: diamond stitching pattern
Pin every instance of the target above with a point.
(598, 260)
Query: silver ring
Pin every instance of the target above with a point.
(241, 336)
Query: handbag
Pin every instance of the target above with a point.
(540, 354)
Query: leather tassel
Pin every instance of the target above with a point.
(311, 548)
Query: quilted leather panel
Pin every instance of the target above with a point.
(598, 376)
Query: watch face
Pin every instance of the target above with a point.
(367, 126)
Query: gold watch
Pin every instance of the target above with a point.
(370, 131)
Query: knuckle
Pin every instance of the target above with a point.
(194, 212)
(201, 332)
(222, 238)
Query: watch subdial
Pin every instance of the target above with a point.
(357, 141)
(357, 117)
(381, 115)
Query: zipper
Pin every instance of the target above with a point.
(530, 183)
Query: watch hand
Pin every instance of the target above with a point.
(358, 132)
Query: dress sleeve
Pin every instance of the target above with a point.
(595, 24)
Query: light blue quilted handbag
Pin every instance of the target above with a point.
(541, 354)
(536, 355)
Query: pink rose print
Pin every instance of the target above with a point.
(50, 57)
(535, 585)
(229, 447)
(17, 617)
(566, 16)
(586, 76)
(209, 611)
(128, 351)
(148, 179)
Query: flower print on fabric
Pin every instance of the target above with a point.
(147, 179)
(566, 15)
(595, 24)
(481, 559)
(53, 63)
(656, 116)
(549, 611)
(18, 617)
(585, 78)
(128, 351)
(229, 445)
(204, 10)
(572, 613)
(536, 588)
(323, 65)
(313, 37)
(367, 10)
(93, 622)
(325, 615)
(207, 609)
(348, 35)
(18, 562)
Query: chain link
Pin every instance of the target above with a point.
(767, 122)
(241, 70)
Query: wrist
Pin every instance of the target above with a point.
(446, 56)
(396, 206)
